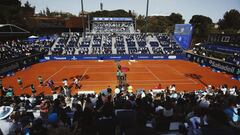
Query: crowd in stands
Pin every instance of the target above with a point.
(213, 111)
(107, 40)
(202, 50)
(169, 44)
(12, 50)
(112, 27)
(83, 51)
(72, 43)
(121, 50)
(141, 40)
(157, 50)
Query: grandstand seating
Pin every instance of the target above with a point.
(112, 27)
(105, 38)
(12, 50)
(103, 44)
(223, 52)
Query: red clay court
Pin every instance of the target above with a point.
(187, 76)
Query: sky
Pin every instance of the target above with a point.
(215, 9)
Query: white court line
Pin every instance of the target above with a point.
(140, 81)
(181, 74)
(147, 84)
(152, 73)
(99, 66)
(89, 67)
(115, 73)
(83, 74)
(53, 75)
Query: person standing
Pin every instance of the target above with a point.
(76, 83)
(67, 91)
(51, 85)
(172, 88)
(119, 76)
(10, 92)
(65, 82)
(20, 83)
(40, 79)
(33, 89)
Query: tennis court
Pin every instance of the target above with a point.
(95, 75)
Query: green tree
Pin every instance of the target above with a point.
(48, 12)
(202, 25)
(10, 10)
(230, 22)
(176, 18)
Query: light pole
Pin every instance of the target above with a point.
(146, 19)
(83, 25)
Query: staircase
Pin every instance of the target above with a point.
(114, 49)
(125, 45)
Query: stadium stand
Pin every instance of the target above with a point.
(11, 50)
(212, 110)
(225, 51)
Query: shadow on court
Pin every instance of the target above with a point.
(196, 77)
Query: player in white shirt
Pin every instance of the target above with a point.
(65, 82)
(172, 88)
(76, 83)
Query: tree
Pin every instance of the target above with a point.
(10, 10)
(48, 12)
(176, 18)
(202, 25)
(230, 22)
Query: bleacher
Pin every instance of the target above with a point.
(119, 37)
(217, 48)
(12, 50)
(67, 44)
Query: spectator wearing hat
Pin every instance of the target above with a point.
(5, 112)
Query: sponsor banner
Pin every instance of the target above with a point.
(215, 64)
(172, 57)
(158, 57)
(42, 60)
(47, 58)
(143, 57)
(183, 35)
(90, 58)
(115, 57)
(59, 58)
